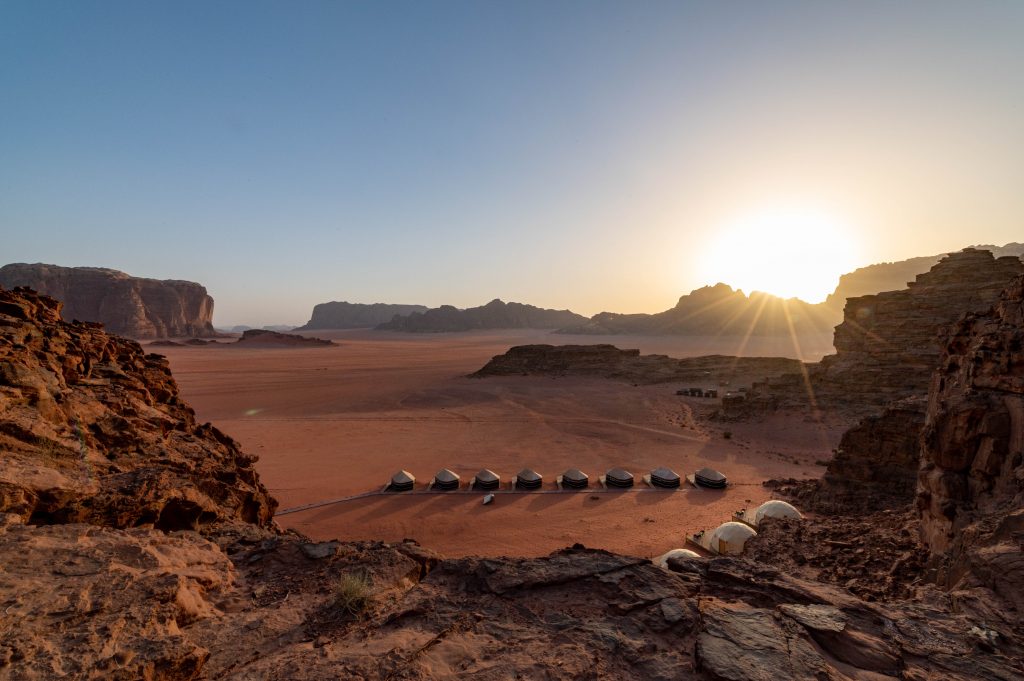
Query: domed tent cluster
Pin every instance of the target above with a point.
(529, 480)
(774, 508)
(729, 538)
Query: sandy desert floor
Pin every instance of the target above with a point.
(338, 421)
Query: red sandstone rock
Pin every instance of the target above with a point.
(972, 463)
(125, 305)
(93, 430)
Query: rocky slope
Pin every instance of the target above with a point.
(93, 430)
(344, 315)
(972, 461)
(888, 344)
(494, 315)
(91, 588)
(717, 310)
(129, 306)
(608, 361)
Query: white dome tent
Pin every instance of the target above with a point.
(662, 560)
(729, 538)
(775, 509)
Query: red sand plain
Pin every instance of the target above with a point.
(337, 421)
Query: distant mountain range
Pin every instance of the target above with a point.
(344, 315)
(494, 315)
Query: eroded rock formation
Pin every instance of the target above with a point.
(608, 361)
(888, 344)
(257, 337)
(972, 462)
(344, 315)
(125, 305)
(93, 430)
(494, 315)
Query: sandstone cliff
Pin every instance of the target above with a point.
(494, 315)
(972, 461)
(129, 306)
(888, 344)
(344, 315)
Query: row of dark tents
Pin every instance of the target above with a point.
(573, 479)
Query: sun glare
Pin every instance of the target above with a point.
(788, 254)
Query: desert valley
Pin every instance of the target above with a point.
(511, 341)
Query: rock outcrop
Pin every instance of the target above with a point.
(262, 337)
(888, 344)
(494, 315)
(93, 430)
(972, 462)
(608, 361)
(875, 465)
(892, 276)
(126, 305)
(717, 310)
(344, 315)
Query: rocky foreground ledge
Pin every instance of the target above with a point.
(137, 544)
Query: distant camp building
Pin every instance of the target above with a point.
(618, 478)
(445, 480)
(574, 478)
(728, 538)
(665, 478)
(529, 479)
(402, 481)
(486, 480)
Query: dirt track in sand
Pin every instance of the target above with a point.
(336, 421)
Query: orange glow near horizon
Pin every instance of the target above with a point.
(790, 254)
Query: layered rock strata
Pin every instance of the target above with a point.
(972, 462)
(888, 344)
(125, 305)
(875, 465)
(345, 315)
(93, 430)
(608, 361)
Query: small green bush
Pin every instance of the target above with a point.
(353, 593)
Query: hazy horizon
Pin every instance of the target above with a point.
(588, 156)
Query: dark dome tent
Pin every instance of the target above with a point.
(619, 478)
(486, 480)
(708, 477)
(529, 479)
(402, 481)
(664, 477)
(574, 478)
(445, 480)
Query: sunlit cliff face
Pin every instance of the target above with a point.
(787, 253)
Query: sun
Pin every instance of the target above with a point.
(791, 254)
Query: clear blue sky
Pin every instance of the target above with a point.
(567, 154)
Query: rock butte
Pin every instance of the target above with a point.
(100, 454)
(130, 306)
